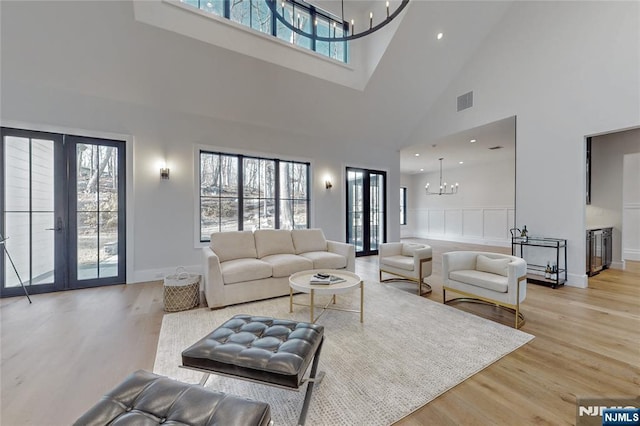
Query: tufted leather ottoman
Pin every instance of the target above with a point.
(144, 398)
(267, 350)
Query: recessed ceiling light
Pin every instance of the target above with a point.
(422, 170)
(472, 141)
(417, 155)
(439, 36)
(461, 162)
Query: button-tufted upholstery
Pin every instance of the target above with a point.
(144, 398)
(265, 349)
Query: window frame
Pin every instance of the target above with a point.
(403, 205)
(297, 5)
(240, 157)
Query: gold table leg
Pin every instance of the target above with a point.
(311, 307)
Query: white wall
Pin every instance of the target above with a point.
(607, 172)
(631, 207)
(566, 69)
(83, 77)
(481, 213)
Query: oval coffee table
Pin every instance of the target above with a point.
(300, 281)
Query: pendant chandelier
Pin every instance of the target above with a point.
(278, 9)
(443, 186)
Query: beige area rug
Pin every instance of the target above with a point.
(408, 351)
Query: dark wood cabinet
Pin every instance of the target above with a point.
(599, 250)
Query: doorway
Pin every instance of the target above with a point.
(62, 207)
(366, 213)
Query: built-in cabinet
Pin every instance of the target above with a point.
(599, 249)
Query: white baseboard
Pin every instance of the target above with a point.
(617, 265)
(577, 280)
(631, 254)
(159, 274)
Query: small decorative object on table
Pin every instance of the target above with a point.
(524, 234)
(325, 279)
(181, 291)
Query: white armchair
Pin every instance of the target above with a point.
(407, 261)
(494, 278)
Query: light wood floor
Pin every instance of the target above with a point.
(60, 354)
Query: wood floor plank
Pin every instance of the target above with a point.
(61, 353)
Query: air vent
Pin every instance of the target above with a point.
(496, 147)
(465, 101)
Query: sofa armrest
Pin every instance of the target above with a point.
(424, 256)
(517, 280)
(346, 250)
(389, 249)
(213, 283)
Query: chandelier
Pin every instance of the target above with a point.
(279, 13)
(443, 186)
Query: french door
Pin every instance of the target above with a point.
(366, 214)
(62, 212)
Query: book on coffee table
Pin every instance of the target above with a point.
(325, 279)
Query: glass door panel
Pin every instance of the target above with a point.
(29, 211)
(96, 239)
(366, 218)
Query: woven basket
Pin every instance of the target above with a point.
(181, 291)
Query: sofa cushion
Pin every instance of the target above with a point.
(493, 266)
(233, 245)
(326, 260)
(273, 241)
(238, 270)
(408, 249)
(398, 261)
(284, 265)
(481, 279)
(308, 240)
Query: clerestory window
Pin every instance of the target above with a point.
(256, 14)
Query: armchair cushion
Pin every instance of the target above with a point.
(409, 249)
(481, 279)
(493, 266)
(398, 261)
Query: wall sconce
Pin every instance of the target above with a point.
(328, 184)
(164, 173)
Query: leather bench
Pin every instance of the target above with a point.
(145, 398)
(270, 351)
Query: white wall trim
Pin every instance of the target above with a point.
(576, 280)
(143, 276)
(631, 254)
(474, 225)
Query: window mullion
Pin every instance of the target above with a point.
(240, 192)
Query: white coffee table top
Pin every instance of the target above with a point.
(300, 282)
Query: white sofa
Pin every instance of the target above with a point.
(495, 278)
(243, 266)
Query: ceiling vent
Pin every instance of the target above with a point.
(496, 147)
(465, 101)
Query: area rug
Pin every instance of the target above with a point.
(408, 351)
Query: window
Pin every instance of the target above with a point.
(256, 14)
(239, 192)
(403, 206)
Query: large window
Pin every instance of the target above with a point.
(239, 192)
(257, 15)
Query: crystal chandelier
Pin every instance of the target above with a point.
(278, 9)
(443, 186)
